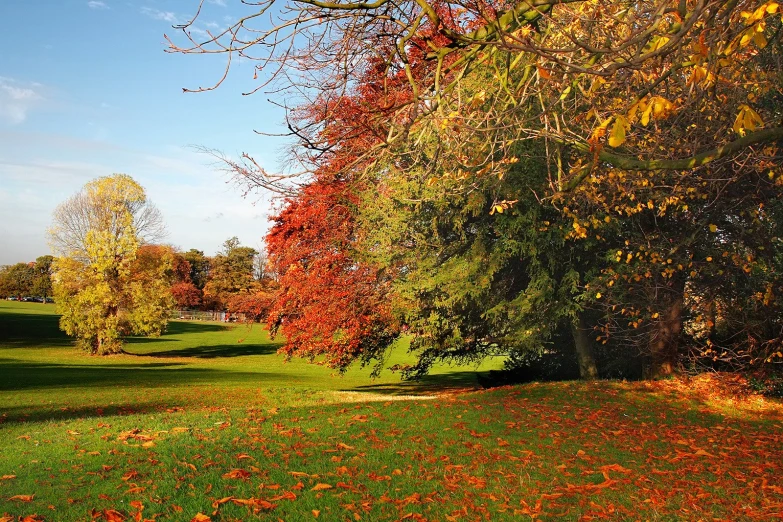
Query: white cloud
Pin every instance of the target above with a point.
(221, 3)
(157, 14)
(95, 4)
(16, 100)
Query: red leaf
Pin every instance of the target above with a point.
(237, 474)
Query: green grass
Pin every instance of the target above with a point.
(197, 416)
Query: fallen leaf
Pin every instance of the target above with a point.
(22, 498)
(288, 495)
(615, 467)
(112, 515)
(320, 486)
(316, 513)
(236, 474)
(200, 517)
(221, 501)
(7, 477)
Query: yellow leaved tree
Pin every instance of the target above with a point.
(101, 292)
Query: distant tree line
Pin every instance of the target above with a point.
(33, 279)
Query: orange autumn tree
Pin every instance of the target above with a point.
(329, 303)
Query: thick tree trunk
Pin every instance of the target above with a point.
(664, 344)
(585, 355)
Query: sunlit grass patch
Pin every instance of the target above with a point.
(239, 436)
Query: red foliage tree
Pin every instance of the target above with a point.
(186, 294)
(329, 303)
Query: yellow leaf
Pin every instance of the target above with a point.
(646, 115)
(747, 119)
(713, 228)
(617, 136)
(598, 295)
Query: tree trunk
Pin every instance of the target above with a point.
(585, 355)
(664, 344)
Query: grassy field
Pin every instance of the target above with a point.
(207, 422)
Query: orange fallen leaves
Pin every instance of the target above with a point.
(7, 477)
(129, 475)
(22, 498)
(237, 474)
(320, 486)
(200, 517)
(615, 467)
(111, 515)
(287, 495)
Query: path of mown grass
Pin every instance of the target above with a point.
(203, 424)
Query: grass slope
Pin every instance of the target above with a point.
(199, 423)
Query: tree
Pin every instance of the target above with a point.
(104, 284)
(651, 115)
(329, 303)
(17, 280)
(42, 282)
(231, 272)
(199, 267)
(478, 275)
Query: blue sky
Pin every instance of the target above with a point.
(87, 90)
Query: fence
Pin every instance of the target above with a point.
(201, 315)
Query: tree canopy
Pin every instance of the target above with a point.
(106, 286)
(615, 165)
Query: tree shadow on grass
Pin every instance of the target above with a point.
(186, 327)
(22, 330)
(43, 413)
(24, 375)
(425, 385)
(176, 328)
(219, 351)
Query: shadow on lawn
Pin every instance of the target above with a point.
(175, 328)
(219, 351)
(424, 385)
(26, 330)
(24, 375)
(22, 414)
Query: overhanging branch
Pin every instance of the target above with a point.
(630, 163)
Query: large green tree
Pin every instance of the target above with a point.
(102, 291)
(231, 273)
(17, 280)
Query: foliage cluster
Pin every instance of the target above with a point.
(510, 172)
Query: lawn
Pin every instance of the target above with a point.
(207, 420)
